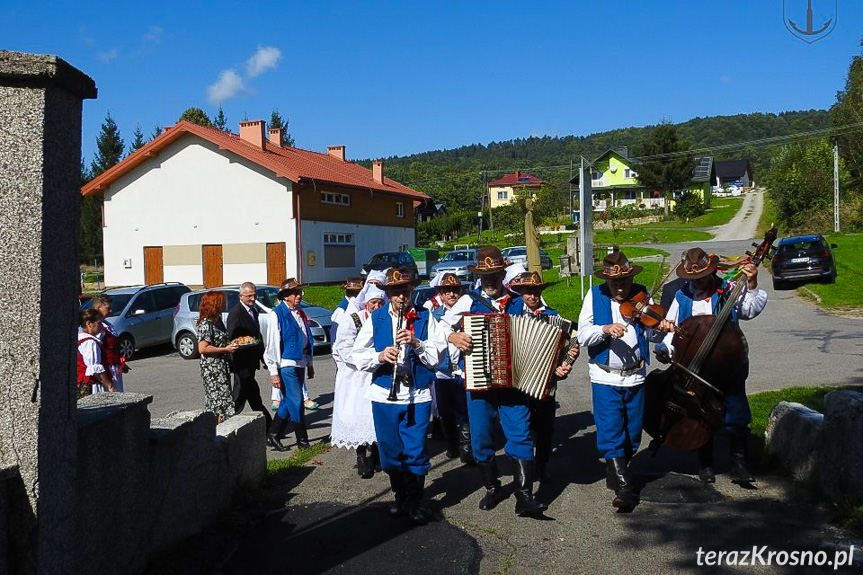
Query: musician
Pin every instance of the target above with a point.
(542, 411)
(618, 351)
(510, 406)
(704, 294)
(400, 343)
(449, 378)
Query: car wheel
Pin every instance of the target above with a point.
(187, 346)
(127, 346)
(778, 284)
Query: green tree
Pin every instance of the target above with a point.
(197, 116)
(276, 121)
(109, 147)
(848, 109)
(670, 171)
(220, 122)
(109, 151)
(157, 131)
(137, 139)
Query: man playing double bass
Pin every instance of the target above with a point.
(704, 293)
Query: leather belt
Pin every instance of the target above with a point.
(621, 372)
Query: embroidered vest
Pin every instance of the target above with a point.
(82, 367)
(292, 337)
(684, 300)
(110, 348)
(383, 337)
(598, 353)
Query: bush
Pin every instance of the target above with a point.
(690, 205)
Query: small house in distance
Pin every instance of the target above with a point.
(734, 173)
(502, 191)
(207, 207)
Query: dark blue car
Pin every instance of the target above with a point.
(803, 258)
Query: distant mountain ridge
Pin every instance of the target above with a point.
(453, 176)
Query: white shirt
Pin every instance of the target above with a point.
(91, 351)
(272, 349)
(365, 357)
(749, 305)
(454, 352)
(623, 352)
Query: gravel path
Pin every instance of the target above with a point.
(744, 224)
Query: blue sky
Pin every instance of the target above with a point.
(392, 78)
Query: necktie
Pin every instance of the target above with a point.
(411, 316)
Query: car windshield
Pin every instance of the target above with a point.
(118, 303)
(458, 257)
(517, 252)
(383, 259)
(267, 297)
(804, 247)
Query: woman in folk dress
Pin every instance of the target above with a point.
(353, 426)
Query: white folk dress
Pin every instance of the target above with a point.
(353, 424)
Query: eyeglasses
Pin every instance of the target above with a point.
(248, 295)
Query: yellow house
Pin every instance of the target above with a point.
(502, 191)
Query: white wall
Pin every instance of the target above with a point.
(368, 240)
(192, 193)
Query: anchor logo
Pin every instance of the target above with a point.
(810, 33)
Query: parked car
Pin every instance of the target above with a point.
(518, 254)
(386, 260)
(424, 258)
(141, 315)
(421, 294)
(184, 336)
(802, 258)
(456, 262)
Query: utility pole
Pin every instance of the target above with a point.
(486, 192)
(835, 187)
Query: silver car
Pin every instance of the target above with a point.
(518, 254)
(184, 336)
(456, 262)
(141, 315)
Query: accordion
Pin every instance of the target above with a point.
(513, 351)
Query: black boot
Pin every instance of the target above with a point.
(302, 435)
(365, 468)
(525, 504)
(413, 497)
(397, 484)
(464, 448)
(493, 490)
(277, 428)
(450, 431)
(437, 429)
(739, 472)
(705, 463)
(624, 494)
(375, 457)
(543, 453)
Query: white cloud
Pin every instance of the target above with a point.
(725, 79)
(153, 35)
(85, 37)
(229, 85)
(265, 58)
(108, 55)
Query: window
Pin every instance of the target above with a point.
(597, 175)
(339, 250)
(337, 199)
(166, 297)
(627, 195)
(501, 195)
(629, 173)
(400, 209)
(143, 301)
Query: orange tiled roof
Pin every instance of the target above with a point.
(295, 164)
(516, 179)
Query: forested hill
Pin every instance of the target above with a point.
(453, 176)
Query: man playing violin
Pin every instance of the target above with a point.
(618, 351)
(704, 294)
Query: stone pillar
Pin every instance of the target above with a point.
(40, 163)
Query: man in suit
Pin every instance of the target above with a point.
(243, 321)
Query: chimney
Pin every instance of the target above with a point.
(378, 171)
(253, 132)
(275, 136)
(337, 152)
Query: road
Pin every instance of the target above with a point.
(335, 522)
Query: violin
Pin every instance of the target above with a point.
(638, 309)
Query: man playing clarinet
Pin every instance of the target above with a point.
(399, 345)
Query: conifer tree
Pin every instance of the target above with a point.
(157, 131)
(220, 122)
(137, 139)
(670, 171)
(109, 147)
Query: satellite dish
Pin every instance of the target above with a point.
(613, 169)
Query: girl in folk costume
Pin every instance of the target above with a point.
(703, 294)
(619, 356)
(399, 347)
(353, 426)
(91, 369)
(542, 411)
(112, 357)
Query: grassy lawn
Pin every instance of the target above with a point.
(649, 236)
(324, 295)
(763, 403)
(277, 469)
(848, 289)
(768, 217)
(721, 212)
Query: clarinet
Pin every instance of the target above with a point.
(394, 388)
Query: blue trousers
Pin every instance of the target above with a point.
(511, 408)
(451, 398)
(618, 412)
(737, 413)
(401, 432)
(291, 407)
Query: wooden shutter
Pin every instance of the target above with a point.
(154, 268)
(213, 266)
(276, 263)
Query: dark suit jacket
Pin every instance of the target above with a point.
(668, 292)
(248, 360)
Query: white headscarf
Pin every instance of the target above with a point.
(436, 280)
(512, 271)
(368, 293)
(379, 275)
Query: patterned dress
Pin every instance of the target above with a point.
(216, 370)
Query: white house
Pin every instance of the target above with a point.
(206, 207)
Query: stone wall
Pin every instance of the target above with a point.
(600, 225)
(146, 486)
(8, 474)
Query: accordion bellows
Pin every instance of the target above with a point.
(512, 351)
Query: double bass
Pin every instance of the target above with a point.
(685, 403)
